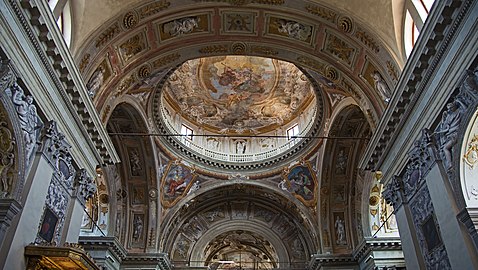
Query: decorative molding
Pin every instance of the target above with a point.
(214, 49)
(107, 35)
(165, 60)
(9, 208)
(245, 2)
(322, 12)
(393, 192)
(86, 186)
(428, 231)
(66, 82)
(416, 77)
(367, 40)
(153, 8)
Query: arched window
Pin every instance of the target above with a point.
(62, 13)
(416, 13)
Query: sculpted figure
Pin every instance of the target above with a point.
(137, 228)
(294, 29)
(447, 131)
(96, 81)
(381, 86)
(340, 231)
(181, 26)
(27, 114)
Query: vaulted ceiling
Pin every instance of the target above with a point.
(129, 52)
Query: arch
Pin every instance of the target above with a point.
(341, 182)
(254, 207)
(135, 210)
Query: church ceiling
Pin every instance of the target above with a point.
(238, 93)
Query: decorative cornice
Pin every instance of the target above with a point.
(416, 76)
(319, 260)
(373, 244)
(54, 63)
(104, 242)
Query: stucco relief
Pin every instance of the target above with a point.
(427, 231)
(7, 156)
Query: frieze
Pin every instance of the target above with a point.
(153, 8)
(238, 22)
(246, 2)
(184, 26)
(315, 65)
(214, 49)
(263, 50)
(165, 60)
(392, 70)
(107, 35)
(367, 40)
(133, 46)
(340, 49)
(322, 12)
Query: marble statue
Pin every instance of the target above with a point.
(95, 82)
(381, 86)
(340, 231)
(27, 114)
(447, 131)
(137, 228)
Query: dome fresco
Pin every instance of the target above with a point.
(238, 94)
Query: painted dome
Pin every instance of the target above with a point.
(238, 94)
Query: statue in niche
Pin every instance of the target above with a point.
(381, 86)
(95, 82)
(240, 147)
(341, 163)
(135, 163)
(27, 114)
(294, 29)
(137, 227)
(447, 131)
(340, 231)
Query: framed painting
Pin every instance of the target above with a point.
(48, 225)
(175, 183)
(302, 182)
